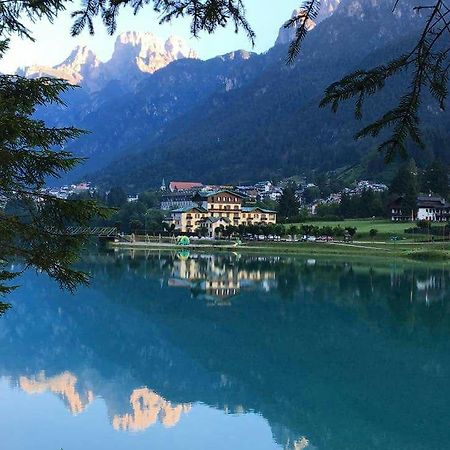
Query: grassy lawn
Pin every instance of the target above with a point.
(386, 228)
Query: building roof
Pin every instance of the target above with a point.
(432, 204)
(254, 208)
(189, 208)
(184, 185)
(206, 194)
(423, 201)
(431, 200)
(217, 219)
(174, 195)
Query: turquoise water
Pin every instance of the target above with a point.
(185, 351)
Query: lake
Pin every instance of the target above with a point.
(227, 351)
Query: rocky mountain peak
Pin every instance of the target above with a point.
(327, 8)
(76, 68)
(146, 52)
(80, 57)
(134, 54)
(236, 55)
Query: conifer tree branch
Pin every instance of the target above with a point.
(429, 57)
(302, 22)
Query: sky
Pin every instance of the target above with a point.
(53, 42)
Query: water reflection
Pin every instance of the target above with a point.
(217, 279)
(63, 385)
(332, 354)
(147, 406)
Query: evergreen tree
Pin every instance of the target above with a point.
(116, 197)
(33, 232)
(310, 194)
(406, 183)
(406, 179)
(288, 205)
(435, 179)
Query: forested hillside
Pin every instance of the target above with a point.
(242, 117)
(273, 125)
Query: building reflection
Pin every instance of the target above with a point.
(426, 287)
(217, 279)
(147, 407)
(304, 339)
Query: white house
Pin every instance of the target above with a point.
(432, 208)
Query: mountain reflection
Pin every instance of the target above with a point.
(147, 406)
(333, 354)
(64, 385)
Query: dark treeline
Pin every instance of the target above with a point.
(142, 215)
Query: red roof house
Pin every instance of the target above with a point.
(184, 186)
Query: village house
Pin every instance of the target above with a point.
(188, 219)
(184, 186)
(174, 200)
(255, 214)
(431, 207)
(224, 205)
(213, 226)
(133, 198)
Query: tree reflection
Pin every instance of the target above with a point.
(358, 347)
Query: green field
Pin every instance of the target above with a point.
(386, 228)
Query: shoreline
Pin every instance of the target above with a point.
(418, 252)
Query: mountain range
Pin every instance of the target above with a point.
(155, 110)
(135, 54)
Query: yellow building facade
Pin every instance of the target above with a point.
(224, 205)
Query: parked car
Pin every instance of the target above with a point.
(324, 239)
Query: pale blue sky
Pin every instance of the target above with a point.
(53, 41)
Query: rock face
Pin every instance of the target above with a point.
(135, 54)
(327, 8)
(287, 35)
(80, 67)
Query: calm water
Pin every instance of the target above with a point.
(179, 351)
